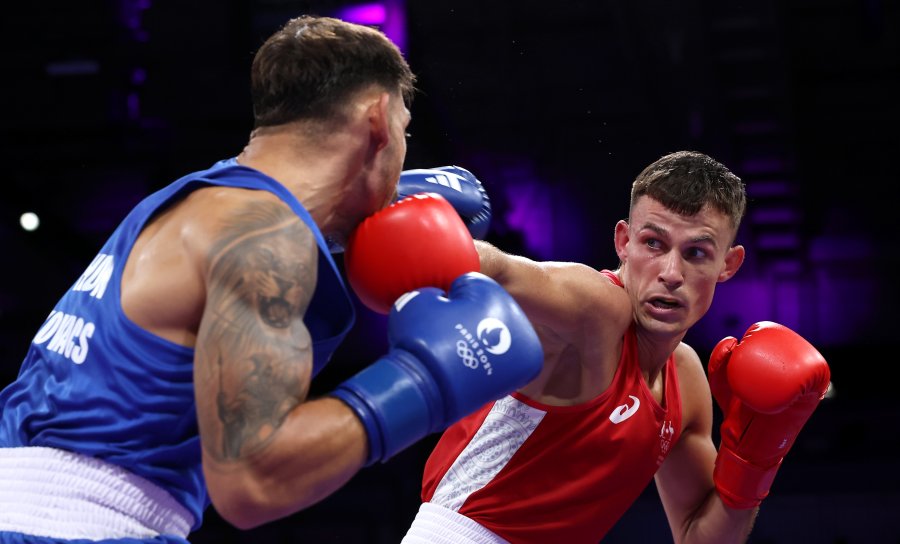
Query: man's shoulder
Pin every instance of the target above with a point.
(214, 218)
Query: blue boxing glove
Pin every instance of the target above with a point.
(449, 356)
(459, 187)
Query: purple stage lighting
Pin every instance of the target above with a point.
(389, 16)
(365, 14)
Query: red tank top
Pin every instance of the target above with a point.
(534, 473)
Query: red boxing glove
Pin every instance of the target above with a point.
(767, 386)
(419, 241)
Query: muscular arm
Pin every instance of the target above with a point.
(266, 451)
(695, 512)
(563, 297)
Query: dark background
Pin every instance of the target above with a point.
(555, 107)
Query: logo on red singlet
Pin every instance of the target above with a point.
(624, 412)
(666, 434)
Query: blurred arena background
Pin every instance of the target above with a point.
(555, 106)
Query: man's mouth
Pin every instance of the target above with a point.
(664, 303)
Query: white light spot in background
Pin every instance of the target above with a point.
(29, 221)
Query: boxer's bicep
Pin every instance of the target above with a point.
(253, 356)
(565, 298)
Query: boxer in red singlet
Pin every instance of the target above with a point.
(622, 400)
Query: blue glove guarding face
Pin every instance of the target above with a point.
(459, 187)
(450, 354)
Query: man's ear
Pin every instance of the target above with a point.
(621, 238)
(734, 258)
(379, 121)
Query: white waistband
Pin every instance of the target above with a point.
(59, 494)
(435, 524)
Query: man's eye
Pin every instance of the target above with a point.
(696, 253)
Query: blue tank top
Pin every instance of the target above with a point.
(95, 383)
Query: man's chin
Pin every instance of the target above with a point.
(668, 324)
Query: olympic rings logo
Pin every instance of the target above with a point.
(466, 354)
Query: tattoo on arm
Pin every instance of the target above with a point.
(254, 349)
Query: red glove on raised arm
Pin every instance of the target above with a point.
(767, 385)
(419, 241)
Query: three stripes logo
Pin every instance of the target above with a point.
(438, 177)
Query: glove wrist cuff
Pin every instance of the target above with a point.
(740, 483)
(395, 401)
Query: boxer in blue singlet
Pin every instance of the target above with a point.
(174, 372)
